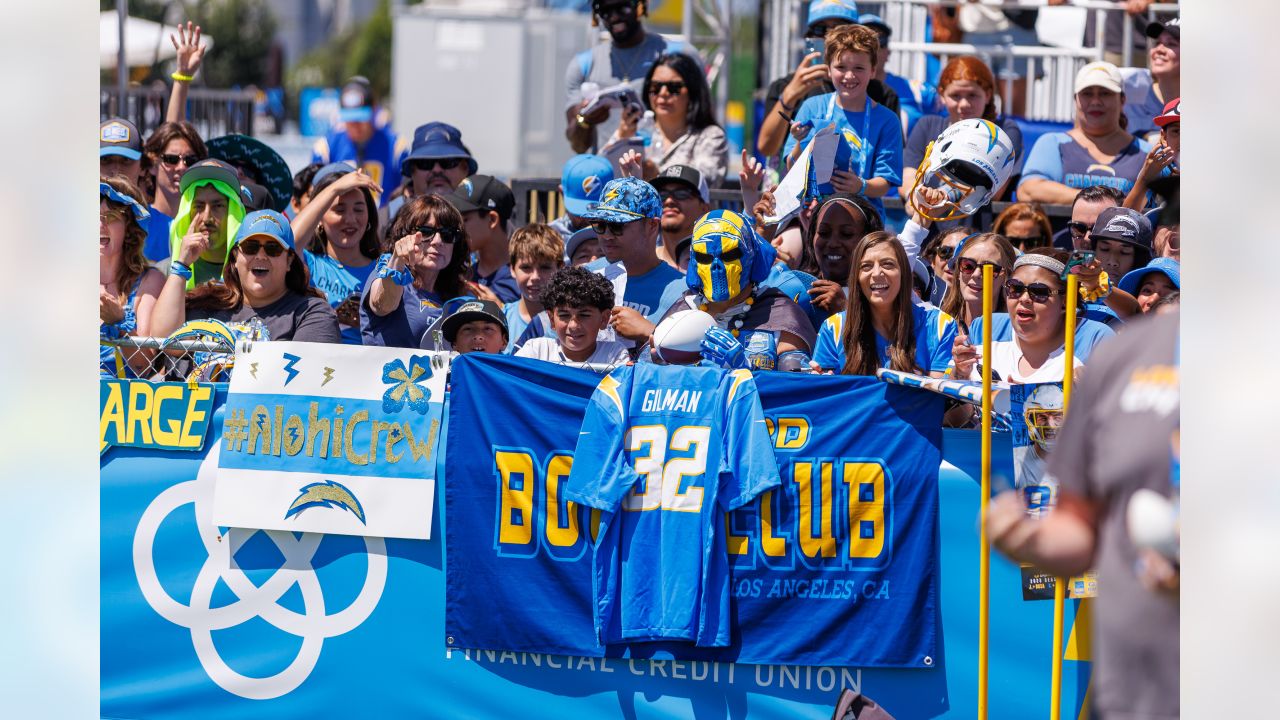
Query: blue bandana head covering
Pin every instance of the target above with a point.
(139, 211)
(726, 255)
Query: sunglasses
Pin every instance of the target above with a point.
(442, 163)
(673, 87)
(1079, 229)
(113, 215)
(1040, 293)
(678, 194)
(604, 10)
(602, 227)
(944, 252)
(1029, 241)
(249, 248)
(969, 266)
(173, 160)
(448, 235)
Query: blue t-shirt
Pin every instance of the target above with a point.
(1088, 333)
(795, 285)
(935, 331)
(338, 282)
(649, 294)
(501, 283)
(879, 155)
(157, 246)
(665, 452)
(516, 327)
(404, 326)
(915, 100)
(1058, 157)
(379, 157)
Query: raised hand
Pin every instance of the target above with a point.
(190, 49)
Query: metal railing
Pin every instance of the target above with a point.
(213, 112)
(159, 359)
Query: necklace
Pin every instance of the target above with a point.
(626, 70)
(735, 316)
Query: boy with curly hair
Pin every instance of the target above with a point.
(578, 302)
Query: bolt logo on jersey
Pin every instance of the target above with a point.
(969, 162)
(726, 256)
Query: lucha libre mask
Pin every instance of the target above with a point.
(726, 256)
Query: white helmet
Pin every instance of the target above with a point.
(968, 162)
(1043, 410)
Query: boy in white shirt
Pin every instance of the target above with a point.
(579, 302)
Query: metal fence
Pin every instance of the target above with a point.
(159, 359)
(213, 112)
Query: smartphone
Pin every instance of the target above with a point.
(1082, 257)
(815, 45)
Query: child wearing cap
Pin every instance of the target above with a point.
(536, 254)
(1162, 161)
(1158, 280)
(486, 206)
(476, 326)
(579, 302)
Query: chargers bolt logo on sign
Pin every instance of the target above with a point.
(329, 494)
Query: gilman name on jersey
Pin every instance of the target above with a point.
(671, 400)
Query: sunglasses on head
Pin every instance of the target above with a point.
(674, 87)
(1039, 292)
(249, 248)
(677, 194)
(819, 31)
(172, 160)
(602, 227)
(448, 235)
(969, 266)
(1079, 229)
(442, 163)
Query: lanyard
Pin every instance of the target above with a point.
(864, 137)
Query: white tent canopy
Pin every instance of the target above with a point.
(145, 42)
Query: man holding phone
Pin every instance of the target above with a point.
(812, 76)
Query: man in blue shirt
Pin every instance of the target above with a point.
(627, 224)
(373, 148)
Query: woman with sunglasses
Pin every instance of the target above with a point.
(1024, 225)
(963, 300)
(263, 278)
(685, 130)
(1032, 350)
(127, 288)
(941, 251)
(425, 266)
(339, 231)
(172, 148)
(883, 326)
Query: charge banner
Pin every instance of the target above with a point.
(837, 566)
(331, 439)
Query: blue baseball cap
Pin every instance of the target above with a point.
(268, 223)
(355, 103)
(583, 180)
(1132, 280)
(330, 169)
(833, 9)
(875, 22)
(140, 212)
(626, 199)
(439, 141)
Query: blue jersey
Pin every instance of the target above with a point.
(339, 282)
(379, 157)
(665, 451)
(935, 332)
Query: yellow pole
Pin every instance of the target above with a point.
(984, 562)
(1060, 584)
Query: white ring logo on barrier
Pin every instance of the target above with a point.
(252, 601)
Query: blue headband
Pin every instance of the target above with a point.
(110, 193)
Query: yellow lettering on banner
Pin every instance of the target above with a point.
(737, 544)
(138, 415)
(277, 430)
(825, 544)
(166, 437)
(785, 439)
(771, 544)
(259, 432)
(195, 396)
(293, 435)
(560, 535)
(865, 483)
(317, 427)
(112, 414)
(516, 503)
(393, 437)
(354, 457)
(421, 450)
(379, 427)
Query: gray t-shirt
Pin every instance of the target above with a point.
(1117, 439)
(304, 318)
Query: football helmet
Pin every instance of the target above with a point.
(968, 162)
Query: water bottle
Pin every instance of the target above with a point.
(644, 130)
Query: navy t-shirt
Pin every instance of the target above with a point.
(404, 326)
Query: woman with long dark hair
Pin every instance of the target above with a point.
(263, 278)
(338, 229)
(838, 224)
(685, 129)
(426, 264)
(127, 288)
(883, 326)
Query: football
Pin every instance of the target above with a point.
(677, 340)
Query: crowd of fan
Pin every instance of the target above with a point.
(386, 242)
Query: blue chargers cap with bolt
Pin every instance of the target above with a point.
(833, 9)
(625, 200)
(583, 182)
(266, 223)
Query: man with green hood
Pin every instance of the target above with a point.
(212, 208)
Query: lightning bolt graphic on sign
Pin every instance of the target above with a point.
(289, 367)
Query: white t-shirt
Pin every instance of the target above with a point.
(548, 349)
(1006, 355)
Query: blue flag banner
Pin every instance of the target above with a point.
(847, 542)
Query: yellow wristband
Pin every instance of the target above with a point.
(1103, 289)
(182, 78)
